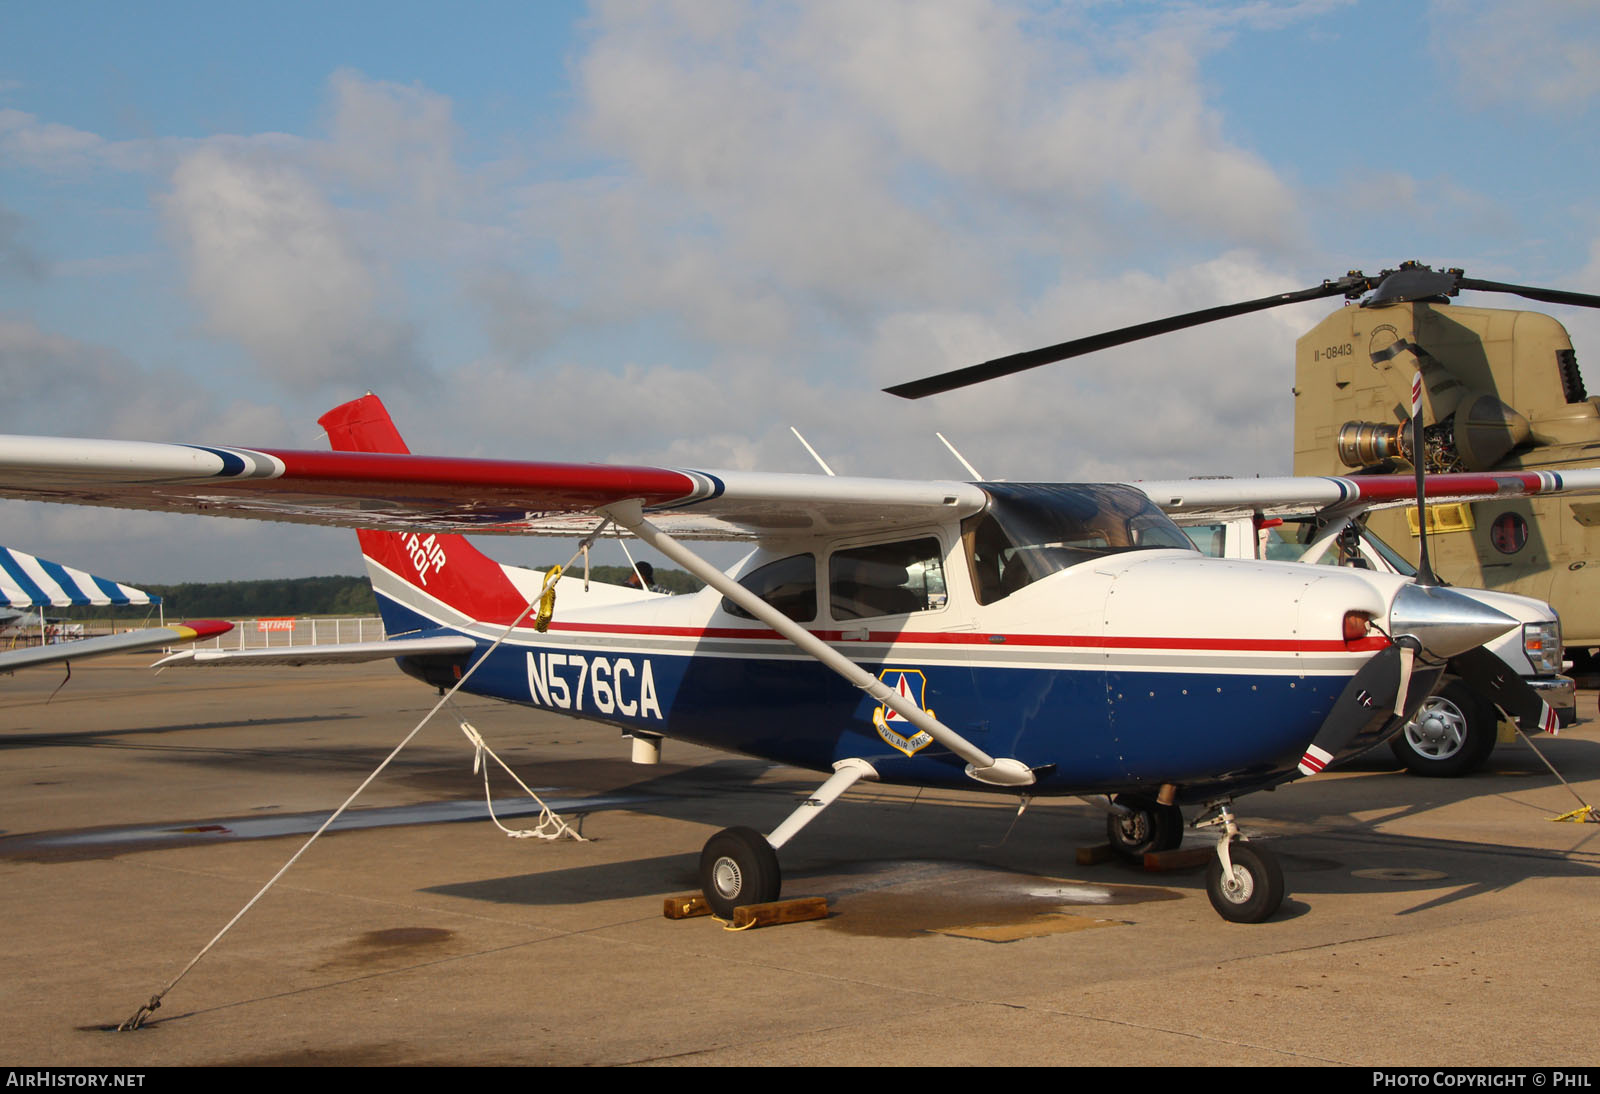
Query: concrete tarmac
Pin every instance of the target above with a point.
(1429, 922)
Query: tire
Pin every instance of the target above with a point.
(738, 867)
(1257, 892)
(1150, 827)
(1452, 735)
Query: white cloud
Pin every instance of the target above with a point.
(861, 155)
(1527, 52)
(61, 386)
(273, 267)
(388, 138)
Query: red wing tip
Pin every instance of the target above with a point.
(208, 628)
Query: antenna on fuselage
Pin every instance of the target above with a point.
(820, 461)
(973, 471)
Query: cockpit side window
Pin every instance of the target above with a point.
(886, 579)
(789, 584)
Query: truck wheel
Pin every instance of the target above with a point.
(1452, 735)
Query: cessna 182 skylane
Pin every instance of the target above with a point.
(1045, 638)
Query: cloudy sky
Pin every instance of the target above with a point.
(666, 232)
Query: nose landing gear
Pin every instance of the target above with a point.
(1244, 882)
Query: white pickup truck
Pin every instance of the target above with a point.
(1455, 730)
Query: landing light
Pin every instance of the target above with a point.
(1356, 625)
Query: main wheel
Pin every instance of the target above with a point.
(1451, 735)
(1255, 890)
(1147, 826)
(738, 867)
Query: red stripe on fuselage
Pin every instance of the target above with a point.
(1275, 645)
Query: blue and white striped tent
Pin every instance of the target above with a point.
(30, 582)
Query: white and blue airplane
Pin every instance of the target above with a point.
(1024, 638)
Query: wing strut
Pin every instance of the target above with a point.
(980, 765)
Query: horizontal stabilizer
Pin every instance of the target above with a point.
(112, 643)
(348, 653)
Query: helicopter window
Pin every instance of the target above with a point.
(789, 584)
(1031, 530)
(886, 579)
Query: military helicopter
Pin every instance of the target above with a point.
(1502, 392)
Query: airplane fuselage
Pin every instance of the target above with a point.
(1157, 666)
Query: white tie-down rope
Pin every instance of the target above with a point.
(150, 1008)
(550, 825)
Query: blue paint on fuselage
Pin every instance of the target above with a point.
(1090, 730)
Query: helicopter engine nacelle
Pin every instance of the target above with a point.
(1477, 434)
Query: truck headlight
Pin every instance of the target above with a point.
(1542, 643)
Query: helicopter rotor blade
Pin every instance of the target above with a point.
(1411, 282)
(1547, 296)
(1352, 284)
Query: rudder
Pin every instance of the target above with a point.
(430, 566)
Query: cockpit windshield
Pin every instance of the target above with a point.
(1031, 530)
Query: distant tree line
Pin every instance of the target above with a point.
(248, 599)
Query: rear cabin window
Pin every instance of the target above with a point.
(887, 579)
(789, 584)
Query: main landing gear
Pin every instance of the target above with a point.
(1244, 882)
(1140, 825)
(739, 866)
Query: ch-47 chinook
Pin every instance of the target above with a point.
(1028, 639)
(1501, 393)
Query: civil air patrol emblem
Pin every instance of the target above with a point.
(912, 685)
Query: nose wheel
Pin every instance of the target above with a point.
(1244, 882)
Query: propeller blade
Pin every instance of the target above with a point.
(1369, 697)
(1408, 660)
(1499, 683)
(1033, 358)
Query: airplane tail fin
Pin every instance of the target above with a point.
(422, 579)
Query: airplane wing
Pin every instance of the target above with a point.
(399, 491)
(113, 643)
(348, 653)
(1188, 500)
(410, 493)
